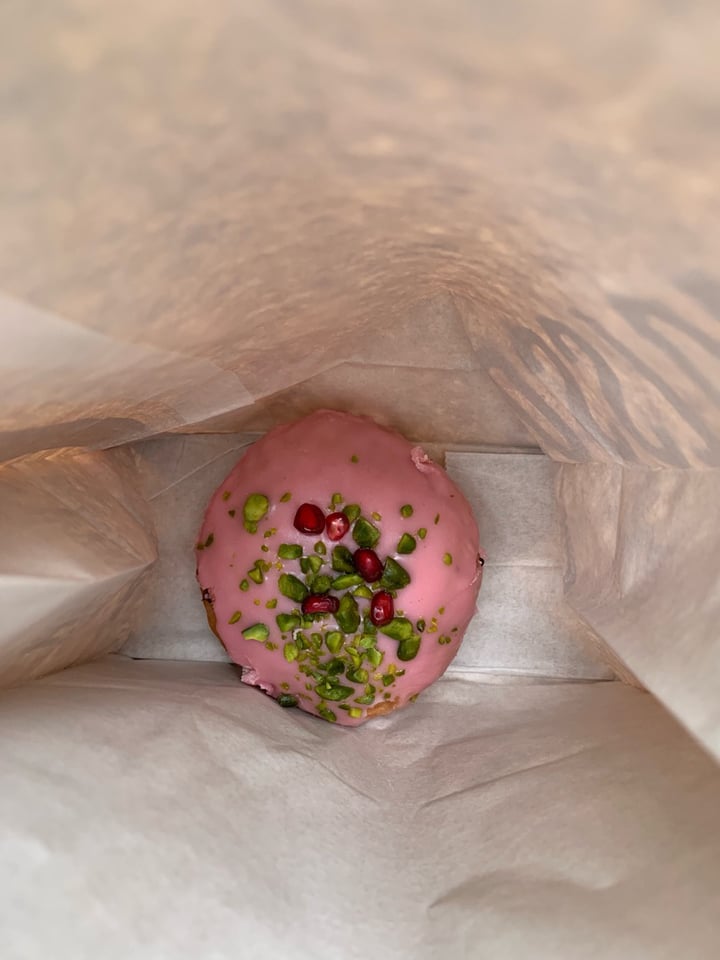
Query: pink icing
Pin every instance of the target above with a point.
(311, 459)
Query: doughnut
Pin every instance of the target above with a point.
(339, 567)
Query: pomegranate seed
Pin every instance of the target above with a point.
(337, 525)
(320, 603)
(382, 608)
(309, 519)
(368, 564)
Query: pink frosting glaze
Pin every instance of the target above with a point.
(311, 459)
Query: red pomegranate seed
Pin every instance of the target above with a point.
(368, 564)
(309, 519)
(320, 603)
(337, 525)
(382, 608)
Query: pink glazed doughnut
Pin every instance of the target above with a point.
(339, 566)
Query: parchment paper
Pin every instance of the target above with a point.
(523, 624)
(162, 811)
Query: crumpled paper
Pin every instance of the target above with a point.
(164, 810)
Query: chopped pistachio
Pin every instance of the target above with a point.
(352, 511)
(320, 583)
(408, 648)
(326, 713)
(336, 499)
(398, 629)
(395, 576)
(270, 532)
(422, 533)
(420, 625)
(255, 507)
(347, 580)
(258, 631)
(316, 640)
(444, 639)
(355, 713)
(256, 575)
(365, 642)
(269, 645)
(287, 622)
(285, 497)
(244, 585)
(290, 651)
(235, 617)
(365, 534)
(284, 685)
(334, 641)
(231, 513)
(358, 675)
(333, 691)
(226, 495)
(342, 560)
(437, 519)
(376, 516)
(250, 526)
(387, 679)
(406, 544)
(375, 656)
(363, 591)
(354, 458)
(310, 564)
(290, 586)
(210, 540)
(256, 601)
(413, 698)
(447, 558)
(406, 510)
(441, 609)
(271, 604)
(320, 548)
(369, 627)
(263, 565)
(366, 698)
(287, 700)
(386, 696)
(264, 547)
(302, 641)
(335, 667)
(348, 615)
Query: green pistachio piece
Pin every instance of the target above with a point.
(358, 675)
(210, 540)
(347, 580)
(226, 495)
(422, 533)
(235, 617)
(406, 544)
(364, 643)
(352, 511)
(376, 516)
(310, 564)
(375, 656)
(394, 577)
(290, 551)
(399, 629)
(406, 510)
(354, 458)
(437, 519)
(320, 548)
(336, 499)
(365, 534)
(302, 641)
(420, 625)
(333, 692)
(258, 631)
(348, 615)
(387, 679)
(334, 641)
(255, 507)
(368, 696)
(256, 575)
(285, 497)
(335, 667)
(342, 560)
(369, 627)
(264, 547)
(287, 700)
(443, 639)
(355, 713)
(363, 591)
(447, 558)
(326, 713)
(287, 622)
(244, 585)
(290, 586)
(271, 604)
(290, 651)
(320, 583)
(408, 649)
(316, 640)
